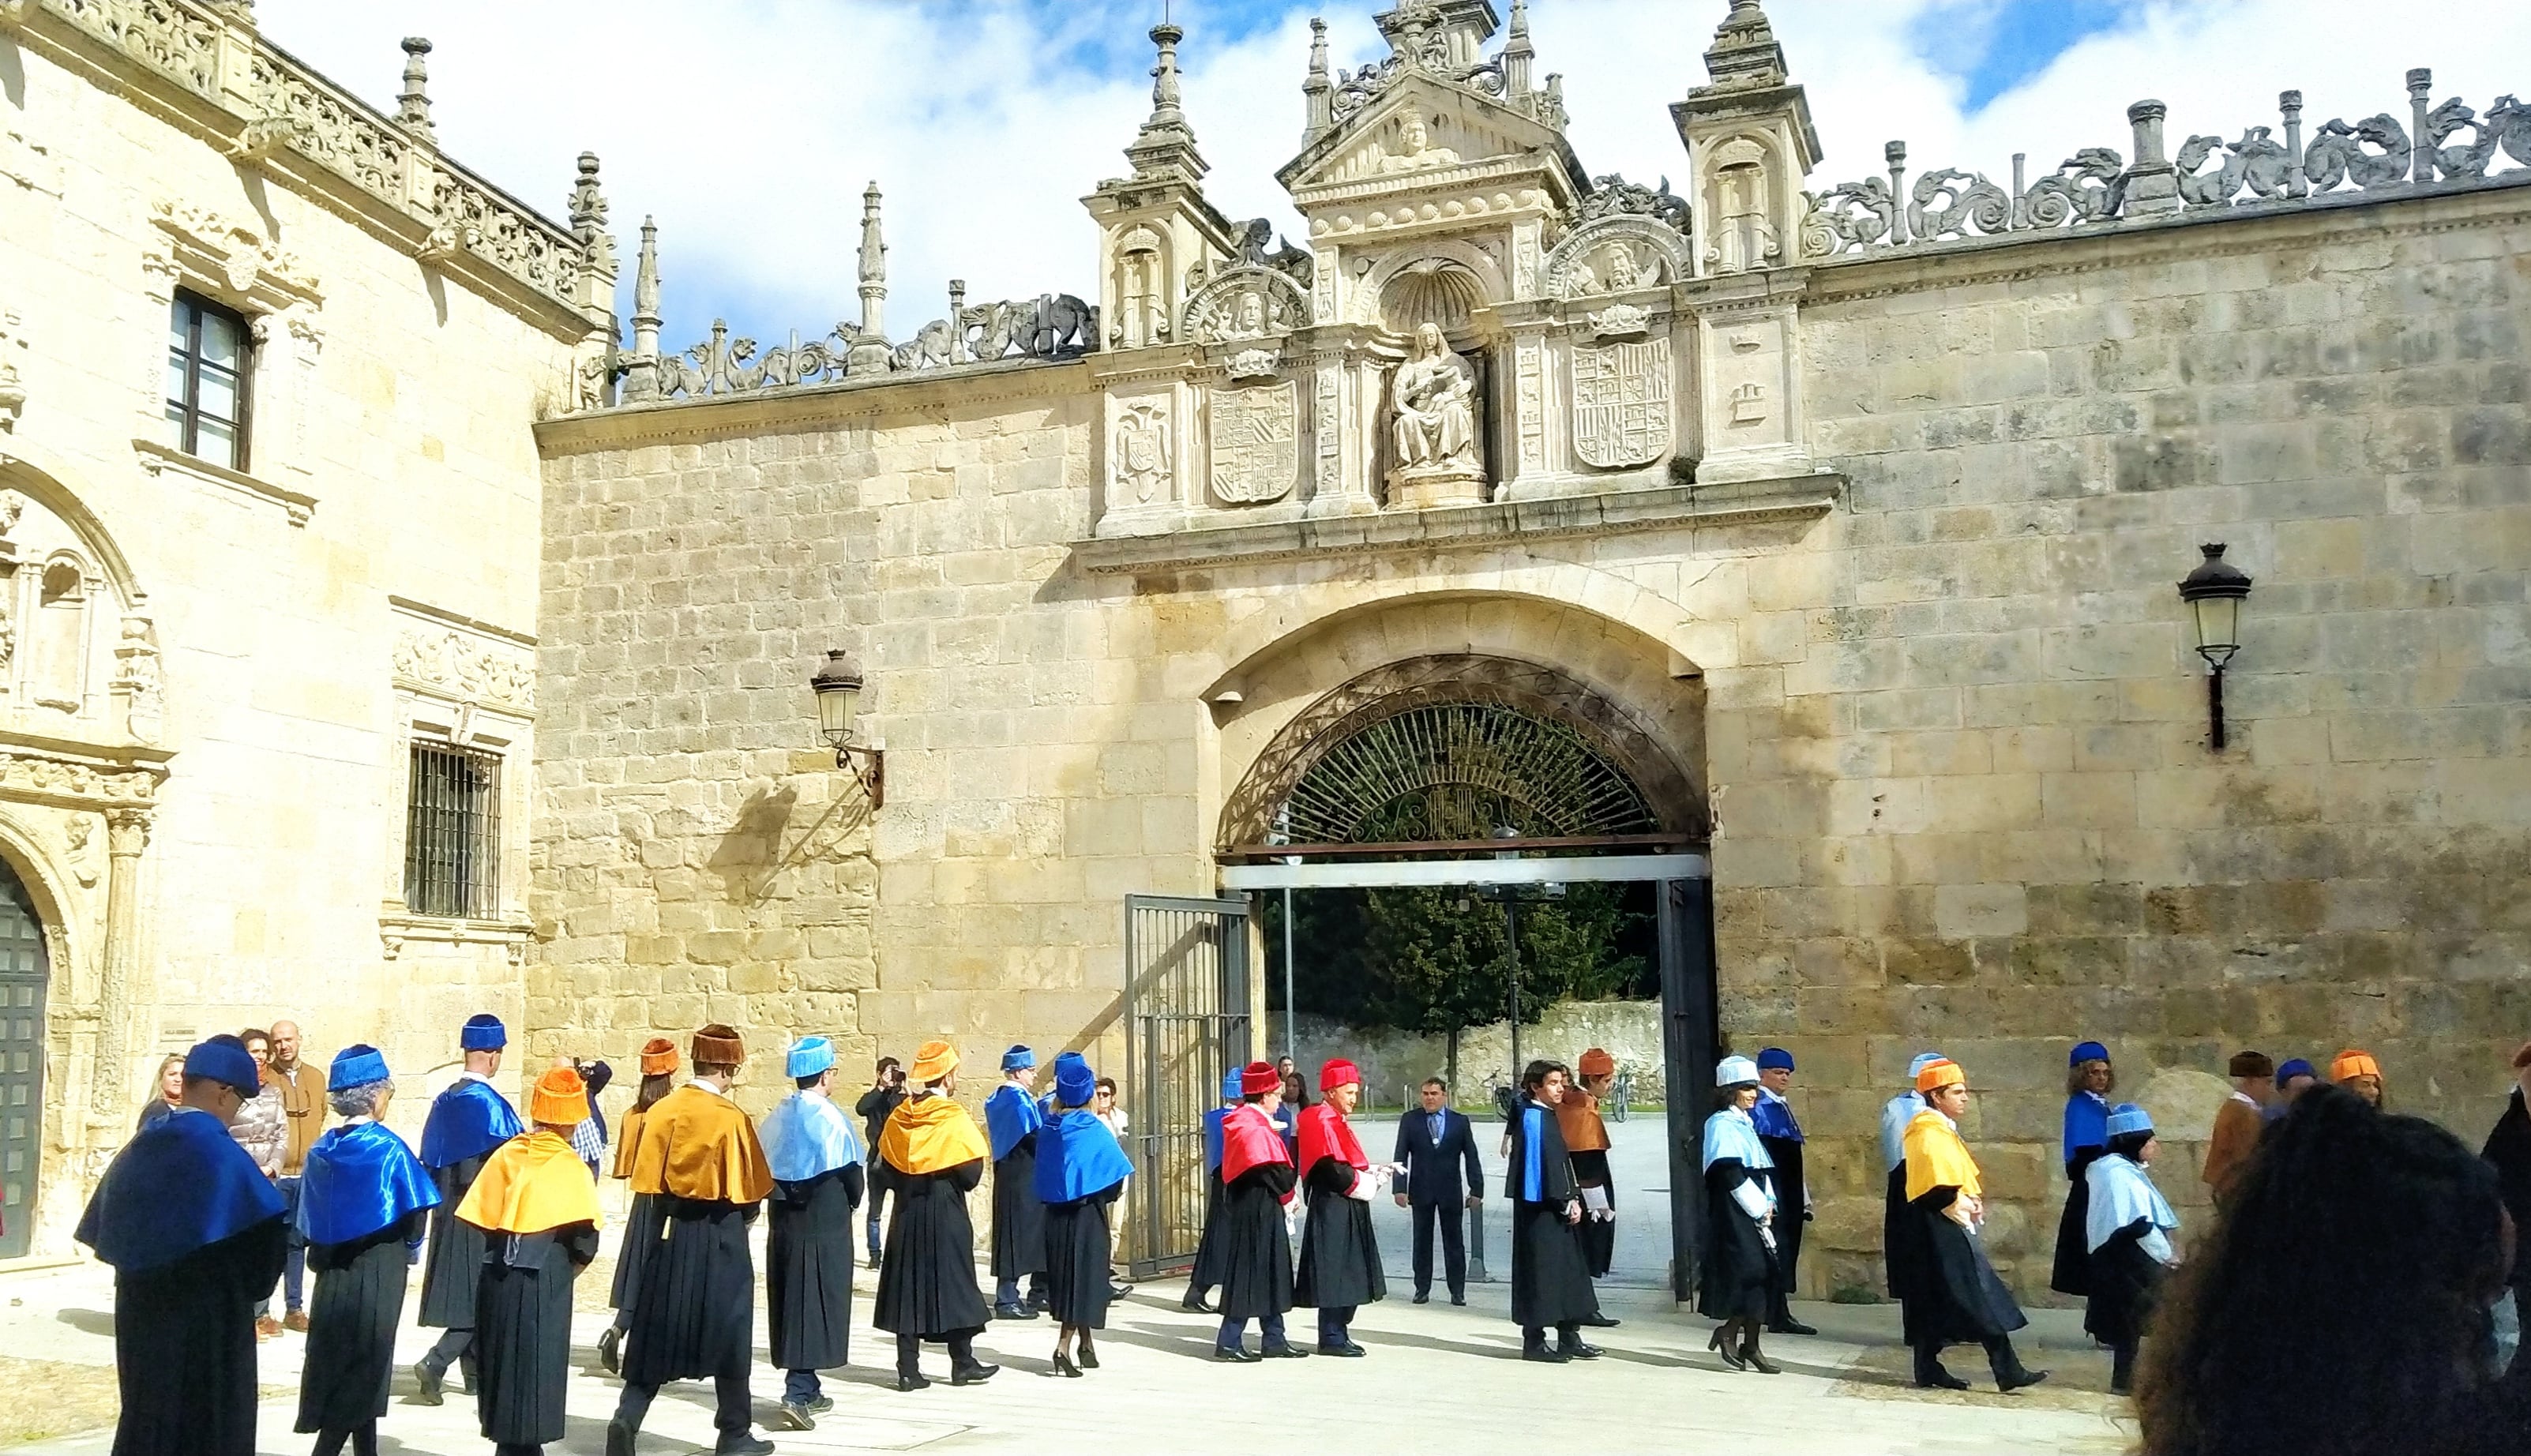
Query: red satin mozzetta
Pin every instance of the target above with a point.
(1325, 1133)
(1249, 1139)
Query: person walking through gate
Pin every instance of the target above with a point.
(193, 1229)
(1012, 1117)
(818, 1176)
(1953, 1295)
(660, 1063)
(535, 1205)
(1551, 1275)
(1586, 1143)
(363, 1208)
(1437, 1148)
(1738, 1278)
(1207, 1273)
(1780, 1134)
(931, 1156)
(467, 1122)
(1339, 1269)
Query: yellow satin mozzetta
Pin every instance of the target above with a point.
(696, 1145)
(927, 1135)
(628, 1136)
(531, 1184)
(1938, 1158)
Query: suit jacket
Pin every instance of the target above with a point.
(1433, 1169)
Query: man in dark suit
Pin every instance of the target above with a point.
(1442, 1178)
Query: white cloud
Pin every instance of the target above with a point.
(750, 129)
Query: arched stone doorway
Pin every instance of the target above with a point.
(26, 974)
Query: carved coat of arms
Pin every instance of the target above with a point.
(1256, 444)
(1140, 466)
(1622, 411)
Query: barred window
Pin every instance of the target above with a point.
(208, 357)
(452, 841)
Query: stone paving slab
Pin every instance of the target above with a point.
(1437, 1379)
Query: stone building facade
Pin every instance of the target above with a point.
(1857, 510)
(222, 633)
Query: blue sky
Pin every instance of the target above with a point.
(749, 127)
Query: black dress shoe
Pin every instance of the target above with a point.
(1544, 1355)
(913, 1380)
(1349, 1350)
(741, 1443)
(1198, 1304)
(432, 1377)
(1424, 1299)
(1576, 1350)
(1283, 1352)
(1790, 1328)
(1459, 1299)
(2021, 1380)
(1235, 1355)
(1599, 1322)
(975, 1375)
(610, 1350)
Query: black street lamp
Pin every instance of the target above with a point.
(839, 685)
(1511, 932)
(2214, 592)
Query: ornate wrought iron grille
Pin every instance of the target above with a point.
(1456, 771)
(452, 843)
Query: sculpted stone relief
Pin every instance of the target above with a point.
(1416, 151)
(463, 666)
(1256, 443)
(1434, 395)
(1139, 462)
(1245, 303)
(1623, 410)
(1614, 255)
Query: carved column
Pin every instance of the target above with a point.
(127, 834)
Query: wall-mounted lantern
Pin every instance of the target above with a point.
(839, 685)
(2214, 592)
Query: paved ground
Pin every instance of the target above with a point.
(1639, 1166)
(1437, 1379)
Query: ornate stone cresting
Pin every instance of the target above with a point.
(1750, 145)
(2439, 148)
(1443, 39)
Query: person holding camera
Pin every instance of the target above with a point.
(886, 1091)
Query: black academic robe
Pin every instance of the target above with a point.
(926, 1275)
(1952, 1295)
(1737, 1276)
(455, 1264)
(1076, 1259)
(2508, 1148)
(809, 1269)
(1598, 1235)
(522, 1332)
(1902, 1242)
(1339, 1264)
(1256, 1247)
(1019, 1219)
(1791, 1199)
(642, 1235)
(1208, 1248)
(351, 1318)
(184, 1347)
(693, 1315)
(1551, 1275)
(2071, 1271)
(2124, 1280)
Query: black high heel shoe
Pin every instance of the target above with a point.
(1064, 1366)
(1727, 1347)
(1088, 1356)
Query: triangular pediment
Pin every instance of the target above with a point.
(1422, 126)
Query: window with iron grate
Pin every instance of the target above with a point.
(452, 843)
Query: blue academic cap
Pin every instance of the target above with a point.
(1073, 1082)
(808, 1056)
(1018, 1059)
(2087, 1051)
(1230, 1085)
(2128, 1117)
(226, 1062)
(1922, 1060)
(356, 1066)
(484, 1033)
(2297, 1067)
(1775, 1059)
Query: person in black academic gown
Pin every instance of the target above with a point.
(1207, 1273)
(468, 1120)
(931, 1156)
(659, 1064)
(194, 1231)
(1080, 1170)
(2127, 1228)
(1550, 1274)
(1951, 1292)
(817, 1183)
(2089, 1079)
(1012, 1117)
(1779, 1132)
(364, 1204)
(535, 1205)
(1339, 1269)
(1256, 1248)
(1738, 1278)
(2508, 1148)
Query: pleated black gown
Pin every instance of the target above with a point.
(351, 1318)
(642, 1235)
(1790, 1200)
(1551, 1275)
(693, 1315)
(1902, 1251)
(184, 1347)
(809, 1269)
(1953, 1295)
(1019, 1219)
(1339, 1264)
(2124, 1282)
(455, 1264)
(1256, 1248)
(1076, 1259)
(1737, 1276)
(927, 1273)
(523, 1333)
(1598, 1235)
(1207, 1273)
(2070, 1272)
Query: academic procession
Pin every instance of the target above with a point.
(2324, 1196)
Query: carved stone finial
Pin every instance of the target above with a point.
(413, 104)
(1165, 150)
(642, 370)
(1518, 53)
(1318, 91)
(874, 265)
(589, 214)
(1744, 52)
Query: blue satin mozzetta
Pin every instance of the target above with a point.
(806, 1135)
(182, 1186)
(1076, 1157)
(468, 1120)
(1731, 1133)
(1212, 1139)
(1532, 1124)
(1775, 1117)
(360, 1179)
(1010, 1114)
(2087, 1123)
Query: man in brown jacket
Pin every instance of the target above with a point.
(2238, 1123)
(303, 1103)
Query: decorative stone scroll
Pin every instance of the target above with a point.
(1256, 443)
(1616, 253)
(1051, 326)
(2437, 147)
(13, 385)
(465, 668)
(1245, 303)
(1623, 410)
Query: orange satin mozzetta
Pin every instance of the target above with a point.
(927, 1135)
(696, 1145)
(627, 1139)
(1577, 1117)
(531, 1184)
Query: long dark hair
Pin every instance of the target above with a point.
(1296, 1089)
(2341, 1307)
(652, 1090)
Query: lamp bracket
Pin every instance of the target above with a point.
(867, 767)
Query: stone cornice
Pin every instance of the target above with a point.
(847, 401)
(157, 456)
(1206, 546)
(67, 773)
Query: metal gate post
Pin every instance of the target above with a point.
(1688, 1030)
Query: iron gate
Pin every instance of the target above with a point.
(1186, 1023)
(24, 972)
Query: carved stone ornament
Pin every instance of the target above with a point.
(1245, 303)
(239, 253)
(1433, 424)
(1139, 464)
(465, 668)
(1256, 443)
(1616, 255)
(1624, 412)
(1620, 321)
(13, 386)
(1247, 364)
(33, 775)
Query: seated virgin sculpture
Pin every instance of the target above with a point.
(1436, 401)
